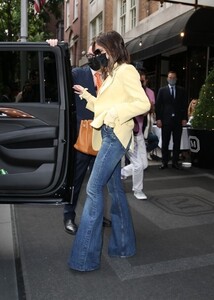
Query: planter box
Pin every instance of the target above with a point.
(202, 147)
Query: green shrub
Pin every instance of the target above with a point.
(203, 116)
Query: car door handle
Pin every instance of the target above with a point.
(14, 113)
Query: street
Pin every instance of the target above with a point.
(175, 246)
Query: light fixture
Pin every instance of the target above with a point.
(161, 3)
(182, 34)
(140, 43)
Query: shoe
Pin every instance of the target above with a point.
(140, 195)
(149, 156)
(176, 166)
(163, 166)
(106, 222)
(70, 226)
(123, 177)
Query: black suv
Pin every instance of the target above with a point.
(37, 123)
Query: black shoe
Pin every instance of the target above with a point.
(163, 166)
(106, 222)
(70, 226)
(176, 166)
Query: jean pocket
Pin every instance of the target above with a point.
(107, 128)
(108, 132)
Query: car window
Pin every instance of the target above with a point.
(28, 76)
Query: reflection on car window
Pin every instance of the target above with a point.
(28, 76)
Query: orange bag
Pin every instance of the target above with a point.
(84, 140)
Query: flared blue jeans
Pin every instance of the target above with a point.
(87, 246)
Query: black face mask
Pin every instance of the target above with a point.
(93, 63)
(102, 60)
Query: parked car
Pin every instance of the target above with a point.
(37, 123)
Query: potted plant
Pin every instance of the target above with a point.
(201, 132)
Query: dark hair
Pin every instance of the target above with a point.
(142, 71)
(173, 72)
(114, 45)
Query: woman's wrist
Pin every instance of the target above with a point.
(84, 92)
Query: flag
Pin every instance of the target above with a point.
(38, 5)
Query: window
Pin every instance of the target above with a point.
(123, 7)
(123, 17)
(123, 25)
(93, 29)
(28, 76)
(96, 26)
(100, 23)
(127, 15)
(75, 8)
(67, 8)
(133, 14)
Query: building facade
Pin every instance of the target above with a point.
(159, 37)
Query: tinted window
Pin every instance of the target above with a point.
(28, 76)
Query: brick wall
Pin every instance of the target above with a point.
(146, 8)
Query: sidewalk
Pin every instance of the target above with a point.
(175, 246)
(8, 278)
(8, 283)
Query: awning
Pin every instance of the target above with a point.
(198, 28)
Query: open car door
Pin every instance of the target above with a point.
(37, 123)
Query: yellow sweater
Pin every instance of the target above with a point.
(123, 92)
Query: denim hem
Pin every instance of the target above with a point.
(121, 256)
(80, 269)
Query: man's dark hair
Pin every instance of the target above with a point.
(142, 71)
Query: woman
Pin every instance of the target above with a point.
(119, 99)
(191, 109)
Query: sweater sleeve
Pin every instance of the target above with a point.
(89, 98)
(137, 101)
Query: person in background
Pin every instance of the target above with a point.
(171, 116)
(6, 94)
(150, 93)
(151, 138)
(138, 160)
(31, 89)
(119, 99)
(83, 162)
(138, 157)
(149, 119)
(23, 95)
(191, 109)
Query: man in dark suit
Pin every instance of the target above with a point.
(171, 116)
(6, 94)
(85, 77)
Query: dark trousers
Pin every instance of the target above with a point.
(83, 163)
(152, 142)
(174, 128)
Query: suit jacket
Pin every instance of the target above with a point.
(123, 92)
(166, 106)
(84, 77)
